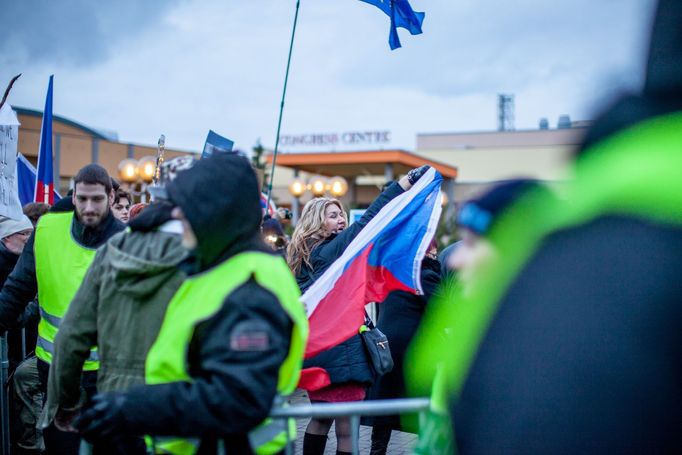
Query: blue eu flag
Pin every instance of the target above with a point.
(402, 15)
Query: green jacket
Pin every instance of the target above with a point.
(119, 308)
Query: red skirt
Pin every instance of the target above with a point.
(335, 393)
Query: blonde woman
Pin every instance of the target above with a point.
(321, 236)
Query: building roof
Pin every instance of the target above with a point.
(350, 164)
(501, 139)
(80, 126)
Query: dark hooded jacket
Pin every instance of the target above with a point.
(232, 390)
(583, 355)
(399, 317)
(14, 337)
(21, 286)
(119, 308)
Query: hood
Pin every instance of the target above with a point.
(143, 262)
(662, 92)
(221, 201)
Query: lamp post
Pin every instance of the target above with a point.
(319, 186)
(137, 173)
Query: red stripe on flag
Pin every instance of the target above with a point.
(41, 195)
(341, 312)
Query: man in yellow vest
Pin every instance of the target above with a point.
(53, 264)
(232, 340)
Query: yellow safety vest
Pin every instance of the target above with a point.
(61, 264)
(202, 296)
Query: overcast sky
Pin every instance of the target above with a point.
(182, 67)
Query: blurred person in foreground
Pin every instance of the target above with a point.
(119, 308)
(231, 342)
(137, 209)
(477, 251)
(572, 344)
(472, 257)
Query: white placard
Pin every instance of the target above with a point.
(9, 136)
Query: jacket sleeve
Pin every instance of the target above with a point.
(430, 276)
(234, 361)
(19, 289)
(328, 252)
(77, 334)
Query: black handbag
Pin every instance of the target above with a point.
(377, 348)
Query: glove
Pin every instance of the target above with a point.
(64, 418)
(102, 418)
(415, 174)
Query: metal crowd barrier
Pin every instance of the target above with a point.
(5, 443)
(354, 410)
(4, 397)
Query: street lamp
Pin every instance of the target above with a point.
(338, 186)
(297, 187)
(146, 168)
(127, 170)
(318, 185)
(134, 173)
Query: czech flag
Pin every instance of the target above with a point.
(385, 256)
(44, 189)
(26, 178)
(265, 209)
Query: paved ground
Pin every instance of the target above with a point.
(401, 443)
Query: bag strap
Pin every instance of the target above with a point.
(368, 322)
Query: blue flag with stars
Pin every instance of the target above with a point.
(402, 15)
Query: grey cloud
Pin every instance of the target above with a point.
(73, 32)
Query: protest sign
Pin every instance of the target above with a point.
(215, 143)
(9, 136)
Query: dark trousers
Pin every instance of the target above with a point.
(60, 442)
(381, 435)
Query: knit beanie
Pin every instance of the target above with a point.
(9, 226)
(480, 213)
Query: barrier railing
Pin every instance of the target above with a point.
(4, 397)
(354, 410)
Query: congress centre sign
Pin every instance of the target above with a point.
(348, 138)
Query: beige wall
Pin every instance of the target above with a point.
(485, 157)
(75, 148)
(488, 164)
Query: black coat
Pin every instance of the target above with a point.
(399, 318)
(584, 353)
(7, 262)
(232, 389)
(348, 361)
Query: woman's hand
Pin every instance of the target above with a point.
(412, 177)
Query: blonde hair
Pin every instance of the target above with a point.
(309, 232)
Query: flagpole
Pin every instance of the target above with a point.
(281, 106)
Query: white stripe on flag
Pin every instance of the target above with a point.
(325, 283)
